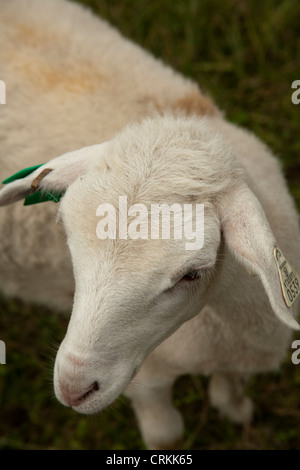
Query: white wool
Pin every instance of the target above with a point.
(109, 120)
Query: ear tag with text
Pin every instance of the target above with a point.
(289, 278)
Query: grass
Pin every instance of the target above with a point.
(246, 55)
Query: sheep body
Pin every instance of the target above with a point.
(63, 93)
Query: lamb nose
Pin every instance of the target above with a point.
(72, 400)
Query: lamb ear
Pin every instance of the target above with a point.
(249, 237)
(49, 181)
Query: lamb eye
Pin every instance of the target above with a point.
(191, 276)
(188, 279)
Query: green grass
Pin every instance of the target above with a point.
(246, 55)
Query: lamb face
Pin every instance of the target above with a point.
(130, 293)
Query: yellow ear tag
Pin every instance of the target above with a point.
(289, 279)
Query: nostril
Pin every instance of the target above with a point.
(73, 398)
(93, 388)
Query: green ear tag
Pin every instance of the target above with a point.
(21, 174)
(38, 197)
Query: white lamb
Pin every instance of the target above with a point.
(145, 311)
